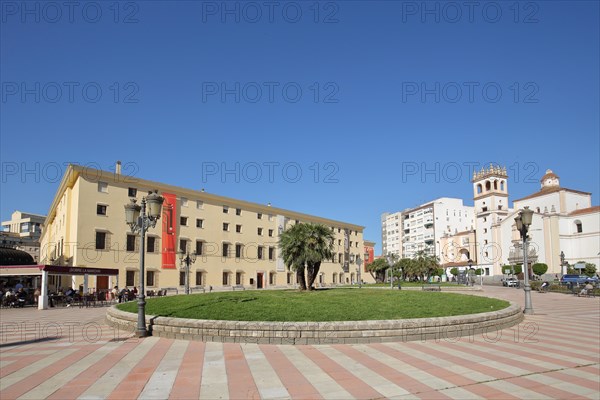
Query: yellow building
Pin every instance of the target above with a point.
(235, 240)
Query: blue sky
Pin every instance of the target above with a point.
(378, 105)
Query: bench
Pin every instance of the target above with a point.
(238, 287)
(432, 288)
(197, 289)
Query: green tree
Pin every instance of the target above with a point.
(539, 268)
(291, 244)
(319, 247)
(424, 264)
(377, 269)
(509, 268)
(303, 247)
(518, 269)
(407, 266)
(590, 269)
(454, 271)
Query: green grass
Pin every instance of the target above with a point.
(319, 305)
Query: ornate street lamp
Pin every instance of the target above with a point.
(390, 258)
(469, 272)
(139, 220)
(186, 259)
(523, 222)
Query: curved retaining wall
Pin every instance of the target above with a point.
(441, 328)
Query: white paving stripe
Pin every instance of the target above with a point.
(48, 387)
(266, 379)
(319, 379)
(516, 391)
(384, 386)
(214, 374)
(31, 369)
(160, 383)
(578, 373)
(471, 373)
(423, 377)
(111, 379)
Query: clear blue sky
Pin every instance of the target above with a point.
(364, 92)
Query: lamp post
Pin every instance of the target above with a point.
(470, 262)
(186, 259)
(141, 222)
(358, 264)
(523, 222)
(390, 258)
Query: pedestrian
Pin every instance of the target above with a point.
(36, 295)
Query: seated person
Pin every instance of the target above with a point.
(544, 287)
(586, 289)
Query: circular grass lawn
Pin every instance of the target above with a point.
(319, 305)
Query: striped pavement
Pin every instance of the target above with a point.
(71, 353)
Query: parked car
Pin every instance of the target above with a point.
(577, 279)
(510, 282)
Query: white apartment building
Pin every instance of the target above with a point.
(422, 227)
(391, 233)
(22, 232)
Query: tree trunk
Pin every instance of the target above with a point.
(312, 272)
(300, 278)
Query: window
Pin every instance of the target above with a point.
(238, 228)
(183, 245)
(150, 247)
(259, 216)
(238, 211)
(578, 227)
(238, 251)
(225, 226)
(199, 204)
(260, 231)
(225, 278)
(184, 202)
(270, 217)
(100, 240)
(149, 278)
(260, 253)
(238, 278)
(199, 247)
(101, 209)
(181, 278)
(199, 223)
(130, 278)
(103, 187)
(130, 242)
(270, 232)
(225, 250)
(199, 280)
(132, 192)
(225, 210)
(183, 221)
(271, 253)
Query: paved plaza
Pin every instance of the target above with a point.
(68, 353)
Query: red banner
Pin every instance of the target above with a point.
(169, 231)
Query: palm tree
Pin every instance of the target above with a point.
(291, 245)
(319, 247)
(303, 248)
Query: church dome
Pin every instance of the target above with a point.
(550, 180)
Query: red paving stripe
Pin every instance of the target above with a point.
(575, 380)
(87, 378)
(25, 385)
(296, 384)
(403, 380)
(189, 377)
(20, 363)
(478, 389)
(352, 384)
(133, 384)
(239, 378)
(543, 389)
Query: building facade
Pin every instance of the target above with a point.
(422, 227)
(235, 241)
(22, 232)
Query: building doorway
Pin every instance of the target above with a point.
(259, 280)
(101, 283)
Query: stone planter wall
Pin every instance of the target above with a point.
(424, 329)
